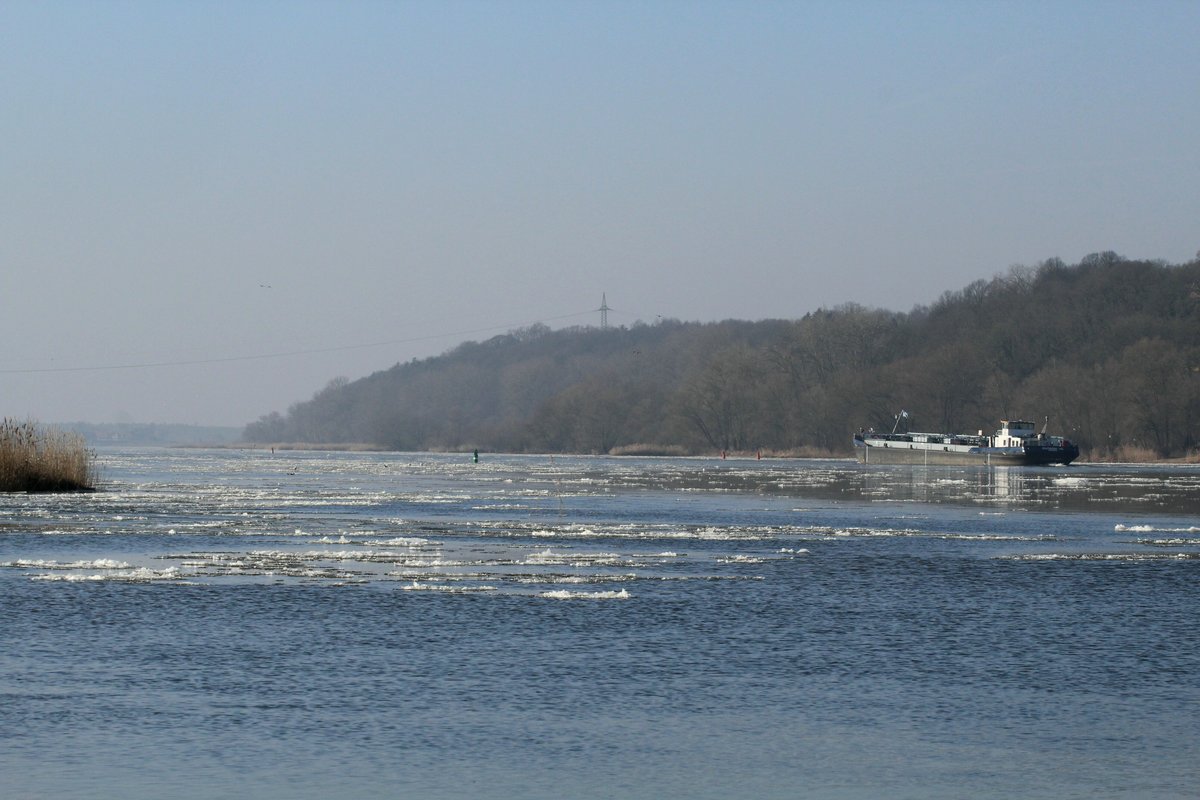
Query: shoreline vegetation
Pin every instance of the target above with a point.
(1107, 350)
(35, 458)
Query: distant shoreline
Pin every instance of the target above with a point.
(105, 434)
(663, 452)
(331, 447)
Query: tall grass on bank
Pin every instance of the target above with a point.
(37, 459)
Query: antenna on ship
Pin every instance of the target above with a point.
(603, 311)
(902, 415)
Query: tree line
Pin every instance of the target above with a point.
(1108, 349)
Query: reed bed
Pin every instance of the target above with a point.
(40, 459)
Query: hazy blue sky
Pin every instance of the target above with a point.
(357, 184)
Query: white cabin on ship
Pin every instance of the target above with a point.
(1013, 434)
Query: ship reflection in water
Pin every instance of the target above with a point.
(1133, 488)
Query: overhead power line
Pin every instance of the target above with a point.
(288, 353)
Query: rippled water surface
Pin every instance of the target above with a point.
(388, 625)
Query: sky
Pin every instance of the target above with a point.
(209, 210)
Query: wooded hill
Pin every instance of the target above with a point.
(1109, 349)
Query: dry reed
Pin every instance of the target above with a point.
(1122, 454)
(38, 459)
(641, 449)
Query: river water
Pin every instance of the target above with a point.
(307, 625)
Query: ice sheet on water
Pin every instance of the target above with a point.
(38, 563)
(416, 574)
(563, 594)
(578, 579)
(1072, 480)
(645, 531)
(435, 563)
(1132, 557)
(1154, 529)
(135, 575)
(345, 555)
(343, 539)
(416, 586)
(741, 559)
(412, 542)
(832, 532)
(549, 557)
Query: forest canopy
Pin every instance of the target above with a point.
(1108, 349)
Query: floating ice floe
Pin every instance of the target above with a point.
(399, 541)
(136, 575)
(563, 594)
(417, 586)
(1152, 529)
(38, 563)
(339, 540)
(577, 579)
(550, 558)
(1070, 481)
(1105, 557)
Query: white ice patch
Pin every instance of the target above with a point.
(417, 586)
(136, 575)
(550, 558)
(1070, 481)
(1106, 557)
(432, 563)
(1154, 529)
(563, 594)
(579, 579)
(337, 555)
(100, 563)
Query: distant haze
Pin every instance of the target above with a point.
(209, 210)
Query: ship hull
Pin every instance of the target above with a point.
(891, 452)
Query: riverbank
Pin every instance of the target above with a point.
(1131, 454)
(1124, 455)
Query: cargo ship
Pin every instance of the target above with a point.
(1016, 444)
